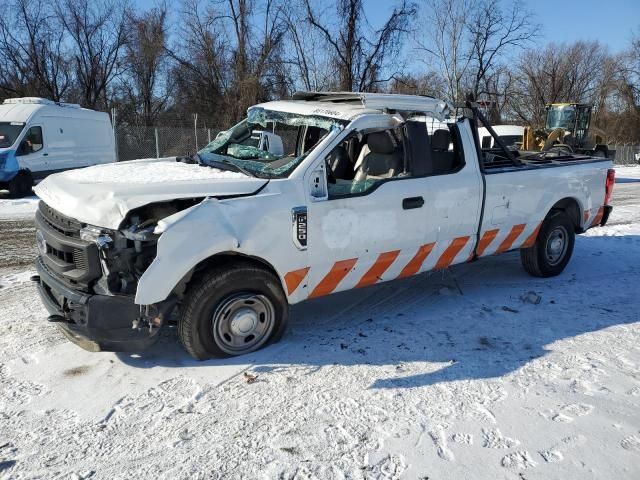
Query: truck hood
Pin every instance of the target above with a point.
(103, 195)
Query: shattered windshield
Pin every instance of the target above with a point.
(268, 143)
(9, 132)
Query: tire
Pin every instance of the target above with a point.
(552, 251)
(226, 306)
(20, 185)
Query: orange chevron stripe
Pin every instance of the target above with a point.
(416, 262)
(531, 239)
(450, 253)
(329, 283)
(294, 279)
(381, 265)
(485, 241)
(515, 232)
(598, 219)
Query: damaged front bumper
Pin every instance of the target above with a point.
(94, 322)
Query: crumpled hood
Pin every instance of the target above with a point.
(103, 195)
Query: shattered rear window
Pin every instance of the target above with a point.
(269, 143)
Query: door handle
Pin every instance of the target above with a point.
(412, 202)
(45, 154)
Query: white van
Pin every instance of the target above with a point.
(510, 135)
(39, 137)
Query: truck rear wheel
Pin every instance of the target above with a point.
(553, 248)
(231, 311)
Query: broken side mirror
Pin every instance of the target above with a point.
(318, 187)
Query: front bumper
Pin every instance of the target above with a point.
(94, 322)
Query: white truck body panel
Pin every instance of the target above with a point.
(103, 195)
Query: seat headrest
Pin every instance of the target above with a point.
(441, 140)
(380, 142)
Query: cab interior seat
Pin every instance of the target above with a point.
(384, 160)
(441, 156)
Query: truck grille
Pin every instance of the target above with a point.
(67, 226)
(71, 259)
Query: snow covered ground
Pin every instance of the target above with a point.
(477, 372)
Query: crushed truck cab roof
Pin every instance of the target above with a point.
(349, 105)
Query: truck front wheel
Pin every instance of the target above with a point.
(232, 310)
(553, 248)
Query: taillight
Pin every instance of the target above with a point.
(608, 186)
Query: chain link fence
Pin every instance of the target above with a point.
(135, 142)
(626, 153)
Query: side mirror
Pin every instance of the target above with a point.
(318, 188)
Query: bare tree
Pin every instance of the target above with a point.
(469, 40)
(494, 32)
(33, 60)
(446, 43)
(361, 55)
(309, 66)
(559, 73)
(146, 82)
(430, 83)
(97, 32)
(230, 52)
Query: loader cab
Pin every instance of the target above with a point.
(571, 117)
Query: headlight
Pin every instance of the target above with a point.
(90, 234)
(96, 235)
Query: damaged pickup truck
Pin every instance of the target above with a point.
(305, 197)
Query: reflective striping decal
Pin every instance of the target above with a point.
(531, 239)
(416, 262)
(329, 283)
(294, 279)
(341, 268)
(598, 219)
(450, 253)
(485, 241)
(381, 265)
(515, 232)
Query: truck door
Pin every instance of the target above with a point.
(32, 153)
(388, 214)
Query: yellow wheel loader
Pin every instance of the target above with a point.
(567, 128)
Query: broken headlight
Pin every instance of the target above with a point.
(96, 235)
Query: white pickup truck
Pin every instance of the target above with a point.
(363, 189)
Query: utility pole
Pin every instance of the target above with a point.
(114, 115)
(195, 129)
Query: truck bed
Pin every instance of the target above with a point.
(495, 161)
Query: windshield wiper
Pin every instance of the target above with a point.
(238, 168)
(223, 164)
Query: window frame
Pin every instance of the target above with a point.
(24, 138)
(458, 139)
